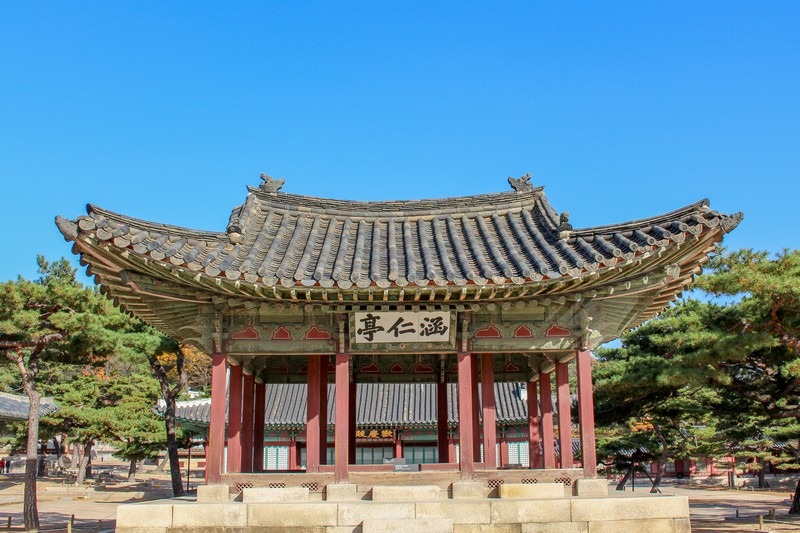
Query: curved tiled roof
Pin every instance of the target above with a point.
(287, 240)
(404, 405)
(14, 407)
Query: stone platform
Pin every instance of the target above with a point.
(545, 507)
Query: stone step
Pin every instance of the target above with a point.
(428, 525)
(269, 495)
(404, 493)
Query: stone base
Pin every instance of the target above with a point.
(341, 492)
(583, 514)
(596, 487)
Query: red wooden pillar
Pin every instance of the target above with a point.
(235, 420)
(586, 413)
(215, 453)
(258, 426)
(534, 440)
(489, 413)
(564, 415)
(294, 454)
(313, 415)
(476, 409)
(398, 446)
(503, 452)
(466, 413)
(323, 410)
(341, 472)
(548, 448)
(248, 417)
(441, 422)
(353, 409)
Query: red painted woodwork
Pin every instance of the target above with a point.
(323, 410)
(397, 368)
(294, 455)
(352, 415)
(564, 415)
(557, 331)
(282, 334)
(215, 453)
(489, 332)
(476, 409)
(313, 415)
(371, 368)
(248, 418)
(503, 453)
(511, 367)
(441, 422)
(342, 430)
(314, 333)
(258, 427)
(548, 449)
(523, 331)
(489, 413)
(534, 438)
(235, 420)
(422, 368)
(247, 333)
(465, 417)
(586, 413)
(398, 446)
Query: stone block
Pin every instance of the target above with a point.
(558, 527)
(487, 528)
(521, 511)
(682, 525)
(341, 492)
(629, 508)
(209, 515)
(460, 512)
(655, 525)
(141, 529)
(291, 515)
(428, 525)
(353, 513)
(531, 491)
(404, 493)
(468, 489)
(144, 515)
(269, 495)
(590, 487)
(213, 493)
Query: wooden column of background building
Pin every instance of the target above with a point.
(215, 452)
(353, 422)
(466, 412)
(313, 415)
(564, 415)
(441, 420)
(323, 409)
(545, 397)
(489, 413)
(586, 412)
(341, 426)
(258, 426)
(235, 420)
(534, 438)
(476, 408)
(248, 419)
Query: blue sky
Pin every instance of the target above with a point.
(622, 110)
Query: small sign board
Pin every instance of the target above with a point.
(413, 467)
(382, 327)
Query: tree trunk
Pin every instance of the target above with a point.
(795, 508)
(84, 464)
(163, 464)
(132, 471)
(660, 471)
(626, 477)
(172, 449)
(30, 509)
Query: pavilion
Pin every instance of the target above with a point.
(473, 290)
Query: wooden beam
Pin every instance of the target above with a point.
(258, 427)
(215, 453)
(548, 446)
(489, 413)
(235, 420)
(586, 413)
(564, 415)
(342, 427)
(465, 417)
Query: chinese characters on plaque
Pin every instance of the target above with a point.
(402, 326)
(374, 433)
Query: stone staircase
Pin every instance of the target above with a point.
(426, 508)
